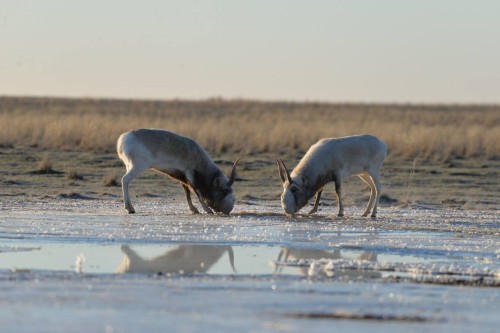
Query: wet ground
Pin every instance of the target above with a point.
(86, 266)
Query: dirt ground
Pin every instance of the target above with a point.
(83, 175)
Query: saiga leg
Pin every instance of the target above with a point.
(373, 192)
(126, 179)
(193, 209)
(316, 203)
(338, 190)
(190, 178)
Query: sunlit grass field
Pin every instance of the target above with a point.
(434, 132)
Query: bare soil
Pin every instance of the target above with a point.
(458, 183)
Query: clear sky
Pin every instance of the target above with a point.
(430, 51)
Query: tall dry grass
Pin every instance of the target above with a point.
(250, 127)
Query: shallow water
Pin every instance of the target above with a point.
(88, 267)
(254, 260)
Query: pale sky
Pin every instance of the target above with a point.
(404, 51)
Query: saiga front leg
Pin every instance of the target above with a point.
(190, 178)
(316, 203)
(193, 209)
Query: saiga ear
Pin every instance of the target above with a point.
(284, 174)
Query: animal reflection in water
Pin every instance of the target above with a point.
(289, 257)
(184, 259)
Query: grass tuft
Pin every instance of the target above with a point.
(45, 165)
(110, 180)
(72, 173)
(410, 184)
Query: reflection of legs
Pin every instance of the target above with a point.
(373, 192)
(286, 253)
(338, 190)
(316, 203)
(190, 178)
(129, 176)
(193, 209)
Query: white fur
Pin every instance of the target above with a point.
(180, 158)
(331, 160)
(288, 202)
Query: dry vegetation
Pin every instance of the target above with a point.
(44, 165)
(251, 127)
(73, 173)
(110, 180)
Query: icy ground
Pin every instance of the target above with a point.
(86, 266)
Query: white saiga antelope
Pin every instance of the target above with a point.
(180, 158)
(330, 160)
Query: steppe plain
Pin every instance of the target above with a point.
(429, 261)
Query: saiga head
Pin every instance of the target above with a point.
(293, 197)
(223, 196)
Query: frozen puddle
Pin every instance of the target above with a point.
(242, 260)
(87, 267)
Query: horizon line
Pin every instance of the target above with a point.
(251, 99)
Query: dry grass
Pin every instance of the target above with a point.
(410, 184)
(250, 127)
(45, 165)
(73, 173)
(110, 180)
